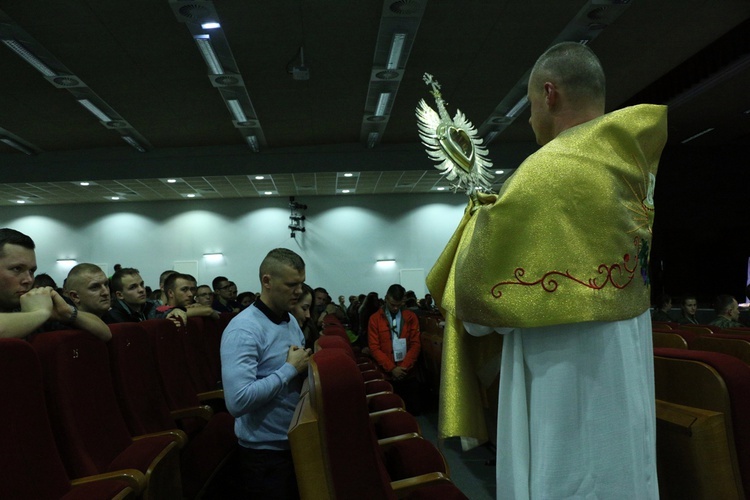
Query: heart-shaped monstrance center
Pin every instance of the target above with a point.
(457, 145)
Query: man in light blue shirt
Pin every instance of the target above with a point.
(262, 357)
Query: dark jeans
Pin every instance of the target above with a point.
(268, 474)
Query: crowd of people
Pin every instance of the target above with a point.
(726, 310)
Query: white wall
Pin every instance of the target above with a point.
(344, 236)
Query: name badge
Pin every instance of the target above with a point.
(399, 349)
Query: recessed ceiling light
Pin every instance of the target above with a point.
(259, 177)
(268, 192)
(441, 188)
(115, 198)
(348, 174)
(344, 190)
(171, 181)
(210, 25)
(499, 172)
(191, 195)
(21, 201)
(85, 183)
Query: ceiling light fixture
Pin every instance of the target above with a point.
(67, 262)
(236, 108)
(252, 141)
(114, 198)
(348, 174)
(84, 183)
(385, 262)
(190, 195)
(213, 257)
(133, 143)
(441, 188)
(697, 135)
(382, 103)
(345, 191)
(20, 202)
(397, 46)
(491, 136)
(171, 181)
(94, 110)
(16, 145)
(207, 51)
(211, 25)
(520, 106)
(268, 192)
(30, 58)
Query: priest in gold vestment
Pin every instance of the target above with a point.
(558, 263)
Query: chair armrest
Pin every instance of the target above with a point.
(207, 396)
(385, 443)
(177, 435)
(403, 487)
(375, 416)
(204, 412)
(135, 479)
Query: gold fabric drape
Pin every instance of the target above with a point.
(567, 240)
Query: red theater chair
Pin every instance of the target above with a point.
(90, 431)
(136, 380)
(332, 418)
(703, 440)
(30, 465)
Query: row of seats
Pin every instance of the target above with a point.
(702, 383)
(353, 441)
(126, 412)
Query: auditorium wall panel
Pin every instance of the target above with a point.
(344, 236)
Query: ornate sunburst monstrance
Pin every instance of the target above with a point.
(454, 144)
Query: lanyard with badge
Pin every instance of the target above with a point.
(399, 344)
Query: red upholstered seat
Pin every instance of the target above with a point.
(30, 465)
(168, 344)
(137, 385)
(90, 431)
(197, 354)
(356, 467)
(725, 388)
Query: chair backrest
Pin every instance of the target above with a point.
(197, 355)
(354, 466)
(136, 380)
(169, 350)
(86, 419)
(336, 342)
(665, 339)
(734, 345)
(30, 465)
(700, 329)
(711, 381)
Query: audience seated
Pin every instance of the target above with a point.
(661, 311)
(204, 296)
(245, 299)
(130, 303)
(301, 312)
(688, 308)
(87, 288)
(727, 312)
(24, 310)
(223, 301)
(180, 290)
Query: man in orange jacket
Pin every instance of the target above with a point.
(393, 337)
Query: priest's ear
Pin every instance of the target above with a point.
(551, 95)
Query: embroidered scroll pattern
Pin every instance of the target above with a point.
(619, 274)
